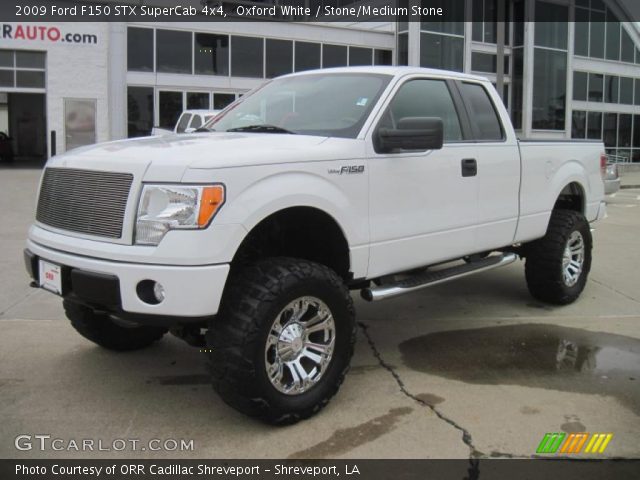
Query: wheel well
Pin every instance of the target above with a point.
(571, 198)
(300, 232)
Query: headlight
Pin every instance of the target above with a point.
(170, 207)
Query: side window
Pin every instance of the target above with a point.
(425, 98)
(482, 112)
(196, 122)
(183, 122)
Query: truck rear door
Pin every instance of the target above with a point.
(497, 159)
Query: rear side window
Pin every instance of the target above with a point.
(425, 98)
(183, 122)
(484, 117)
(196, 122)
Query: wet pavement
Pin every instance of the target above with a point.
(475, 368)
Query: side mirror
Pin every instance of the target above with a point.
(412, 133)
(189, 130)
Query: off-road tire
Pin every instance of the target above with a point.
(543, 267)
(104, 331)
(237, 337)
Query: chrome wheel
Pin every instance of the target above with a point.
(300, 345)
(573, 259)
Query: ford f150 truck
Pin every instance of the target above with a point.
(247, 236)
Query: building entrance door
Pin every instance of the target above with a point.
(23, 129)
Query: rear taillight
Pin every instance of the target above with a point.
(603, 164)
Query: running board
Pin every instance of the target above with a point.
(430, 278)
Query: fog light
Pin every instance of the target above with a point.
(158, 292)
(150, 292)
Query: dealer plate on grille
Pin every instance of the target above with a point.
(51, 277)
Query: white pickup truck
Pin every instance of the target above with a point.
(247, 238)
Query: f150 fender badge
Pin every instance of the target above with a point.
(347, 170)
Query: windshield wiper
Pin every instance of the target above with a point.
(261, 129)
(204, 129)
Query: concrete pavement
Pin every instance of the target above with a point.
(474, 367)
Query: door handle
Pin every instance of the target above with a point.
(469, 167)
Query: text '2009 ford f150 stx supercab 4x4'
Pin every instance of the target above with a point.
(247, 236)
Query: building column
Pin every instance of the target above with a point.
(413, 44)
(528, 68)
(117, 78)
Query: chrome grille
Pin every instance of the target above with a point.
(84, 201)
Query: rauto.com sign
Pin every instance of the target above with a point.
(46, 33)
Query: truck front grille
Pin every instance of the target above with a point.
(84, 201)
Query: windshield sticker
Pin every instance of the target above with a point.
(362, 102)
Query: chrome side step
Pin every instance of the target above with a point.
(430, 278)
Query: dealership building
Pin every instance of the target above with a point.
(63, 85)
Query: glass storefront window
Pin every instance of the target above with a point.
(626, 90)
(139, 111)
(197, 100)
(211, 54)
(170, 108)
(29, 79)
(611, 87)
(596, 34)
(636, 131)
(627, 47)
(307, 56)
(173, 51)
(452, 10)
(7, 78)
(334, 56)
(247, 57)
(581, 36)
(221, 100)
(403, 49)
(624, 130)
(140, 49)
(29, 59)
(441, 51)
(610, 129)
(551, 28)
(6, 58)
(594, 125)
(549, 89)
(360, 56)
(595, 87)
(382, 57)
(612, 38)
(580, 80)
(279, 57)
(578, 124)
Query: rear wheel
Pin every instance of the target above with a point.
(282, 342)
(107, 332)
(558, 264)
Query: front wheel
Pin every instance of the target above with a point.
(558, 264)
(282, 342)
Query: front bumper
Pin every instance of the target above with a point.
(191, 292)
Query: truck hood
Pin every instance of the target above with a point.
(166, 158)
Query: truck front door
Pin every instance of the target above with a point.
(423, 204)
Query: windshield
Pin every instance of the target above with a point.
(323, 104)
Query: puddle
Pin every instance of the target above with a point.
(541, 356)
